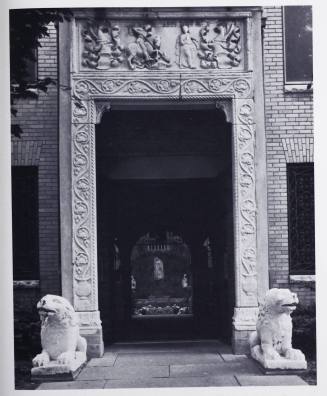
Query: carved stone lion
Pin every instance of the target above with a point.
(273, 339)
(60, 337)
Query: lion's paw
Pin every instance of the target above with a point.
(42, 359)
(271, 354)
(294, 354)
(66, 358)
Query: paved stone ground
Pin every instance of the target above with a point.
(171, 364)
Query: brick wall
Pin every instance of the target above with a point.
(38, 146)
(289, 134)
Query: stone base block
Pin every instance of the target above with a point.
(94, 338)
(59, 372)
(240, 342)
(278, 366)
(91, 330)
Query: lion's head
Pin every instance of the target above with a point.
(280, 301)
(56, 309)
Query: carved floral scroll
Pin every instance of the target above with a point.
(245, 224)
(84, 219)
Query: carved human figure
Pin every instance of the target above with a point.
(184, 281)
(271, 343)
(133, 283)
(186, 46)
(116, 47)
(60, 338)
(146, 51)
(158, 270)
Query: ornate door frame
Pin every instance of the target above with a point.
(236, 92)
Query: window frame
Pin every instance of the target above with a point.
(298, 273)
(31, 280)
(291, 86)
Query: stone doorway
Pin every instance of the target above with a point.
(238, 90)
(165, 173)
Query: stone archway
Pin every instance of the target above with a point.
(234, 92)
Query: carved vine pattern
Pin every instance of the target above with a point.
(247, 205)
(84, 88)
(238, 86)
(82, 270)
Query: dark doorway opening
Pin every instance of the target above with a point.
(163, 179)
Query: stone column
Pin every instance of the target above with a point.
(84, 238)
(250, 196)
(245, 244)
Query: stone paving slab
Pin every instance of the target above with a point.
(172, 364)
(224, 368)
(227, 380)
(100, 373)
(72, 385)
(170, 346)
(269, 380)
(108, 360)
(166, 358)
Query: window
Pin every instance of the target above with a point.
(298, 44)
(301, 238)
(25, 222)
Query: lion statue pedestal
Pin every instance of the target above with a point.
(271, 343)
(63, 349)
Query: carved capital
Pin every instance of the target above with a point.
(101, 107)
(226, 106)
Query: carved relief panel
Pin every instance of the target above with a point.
(161, 45)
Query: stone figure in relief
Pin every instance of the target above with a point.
(186, 47)
(221, 51)
(146, 51)
(158, 269)
(133, 283)
(102, 46)
(271, 343)
(60, 338)
(184, 281)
